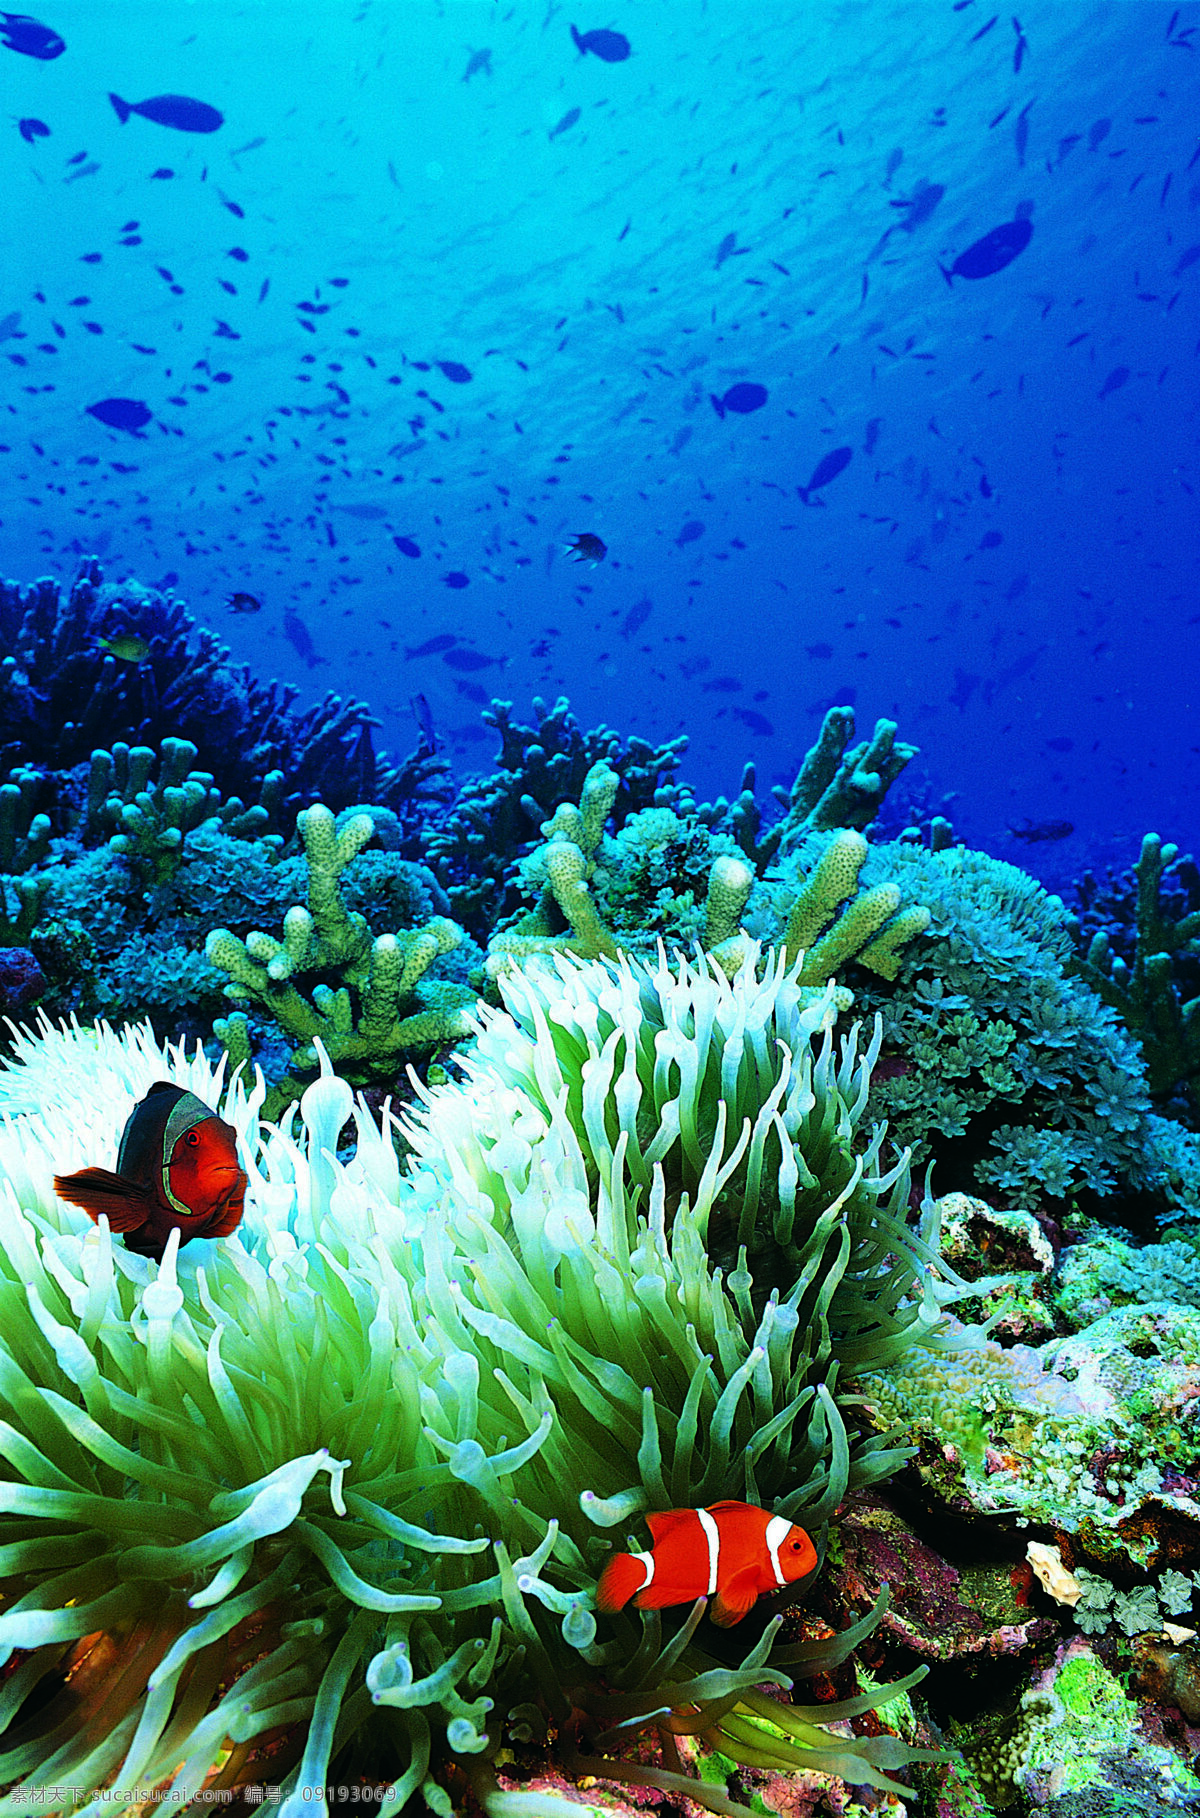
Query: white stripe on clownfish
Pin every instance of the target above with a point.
(646, 1560)
(777, 1530)
(713, 1537)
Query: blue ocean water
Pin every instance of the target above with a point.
(443, 291)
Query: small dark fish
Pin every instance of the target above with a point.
(432, 646)
(10, 325)
(296, 633)
(1037, 832)
(31, 129)
(636, 617)
(468, 660)
(162, 171)
(741, 399)
(179, 111)
(610, 47)
(407, 547)
(920, 205)
(243, 602)
(1186, 258)
(587, 547)
(456, 579)
(18, 32)
(725, 250)
(569, 119)
(126, 646)
(1098, 132)
(450, 369)
(1116, 378)
(895, 160)
(423, 714)
(369, 514)
(827, 468)
(177, 1170)
(991, 539)
(721, 684)
(983, 258)
(872, 435)
(479, 60)
(121, 413)
(756, 722)
(689, 533)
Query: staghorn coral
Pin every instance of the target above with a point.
(383, 1004)
(495, 818)
(665, 876)
(325, 1474)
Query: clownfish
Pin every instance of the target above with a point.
(177, 1169)
(730, 1550)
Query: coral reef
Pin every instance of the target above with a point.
(349, 1472)
(62, 694)
(494, 818)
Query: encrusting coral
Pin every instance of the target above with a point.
(344, 1476)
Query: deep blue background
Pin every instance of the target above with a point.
(1010, 572)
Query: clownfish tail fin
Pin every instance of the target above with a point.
(620, 1579)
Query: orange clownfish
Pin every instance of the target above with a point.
(730, 1550)
(177, 1169)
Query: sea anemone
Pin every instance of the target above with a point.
(343, 1479)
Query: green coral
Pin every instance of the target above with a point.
(383, 1004)
(357, 1471)
(1146, 994)
(987, 1017)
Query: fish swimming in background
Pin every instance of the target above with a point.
(121, 413)
(731, 1550)
(18, 32)
(177, 1170)
(1037, 833)
(827, 468)
(479, 60)
(741, 399)
(610, 47)
(31, 130)
(243, 602)
(179, 111)
(297, 634)
(587, 548)
(985, 257)
(126, 646)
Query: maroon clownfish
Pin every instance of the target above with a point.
(730, 1550)
(177, 1170)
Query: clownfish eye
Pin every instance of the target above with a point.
(192, 1138)
(797, 1546)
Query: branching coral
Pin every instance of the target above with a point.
(325, 1474)
(1149, 987)
(383, 1003)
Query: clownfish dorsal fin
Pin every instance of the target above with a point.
(670, 1521)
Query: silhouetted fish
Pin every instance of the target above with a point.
(569, 119)
(31, 129)
(451, 369)
(636, 617)
(983, 258)
(479, 60)
(407, 547)
(467, 660)
(741, 399)
(1038, 832)
(610, 47)
(18, 32)
(179, 111)
(689, 533)
(432, 646)
(121, 413)
(827, 468)
(296, 633)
